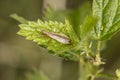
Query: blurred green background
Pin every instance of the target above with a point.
(21, 59)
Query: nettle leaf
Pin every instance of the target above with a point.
(87, 27)
(18, 18)
(78, 15)
(108, 12)
(51, 35)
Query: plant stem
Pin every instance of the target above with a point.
(98, 47)
(84, 68)
(80, 68)
(97, 62)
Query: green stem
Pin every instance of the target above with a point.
(83, 68)
(97, 60)
(80, 67)
(98, 47)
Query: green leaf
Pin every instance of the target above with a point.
(88, 25)
(18, 18)
(108, 12)
(77, 16)
(33, 31)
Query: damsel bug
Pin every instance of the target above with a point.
(58, 37)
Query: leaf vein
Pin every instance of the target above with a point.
(106, 5)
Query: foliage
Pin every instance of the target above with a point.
(85, 45)
(75, 16)
(33, 31)
(109, 18)
(87, 27)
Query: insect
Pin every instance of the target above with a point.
(58, 37)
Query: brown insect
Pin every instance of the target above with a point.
(58, 37)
